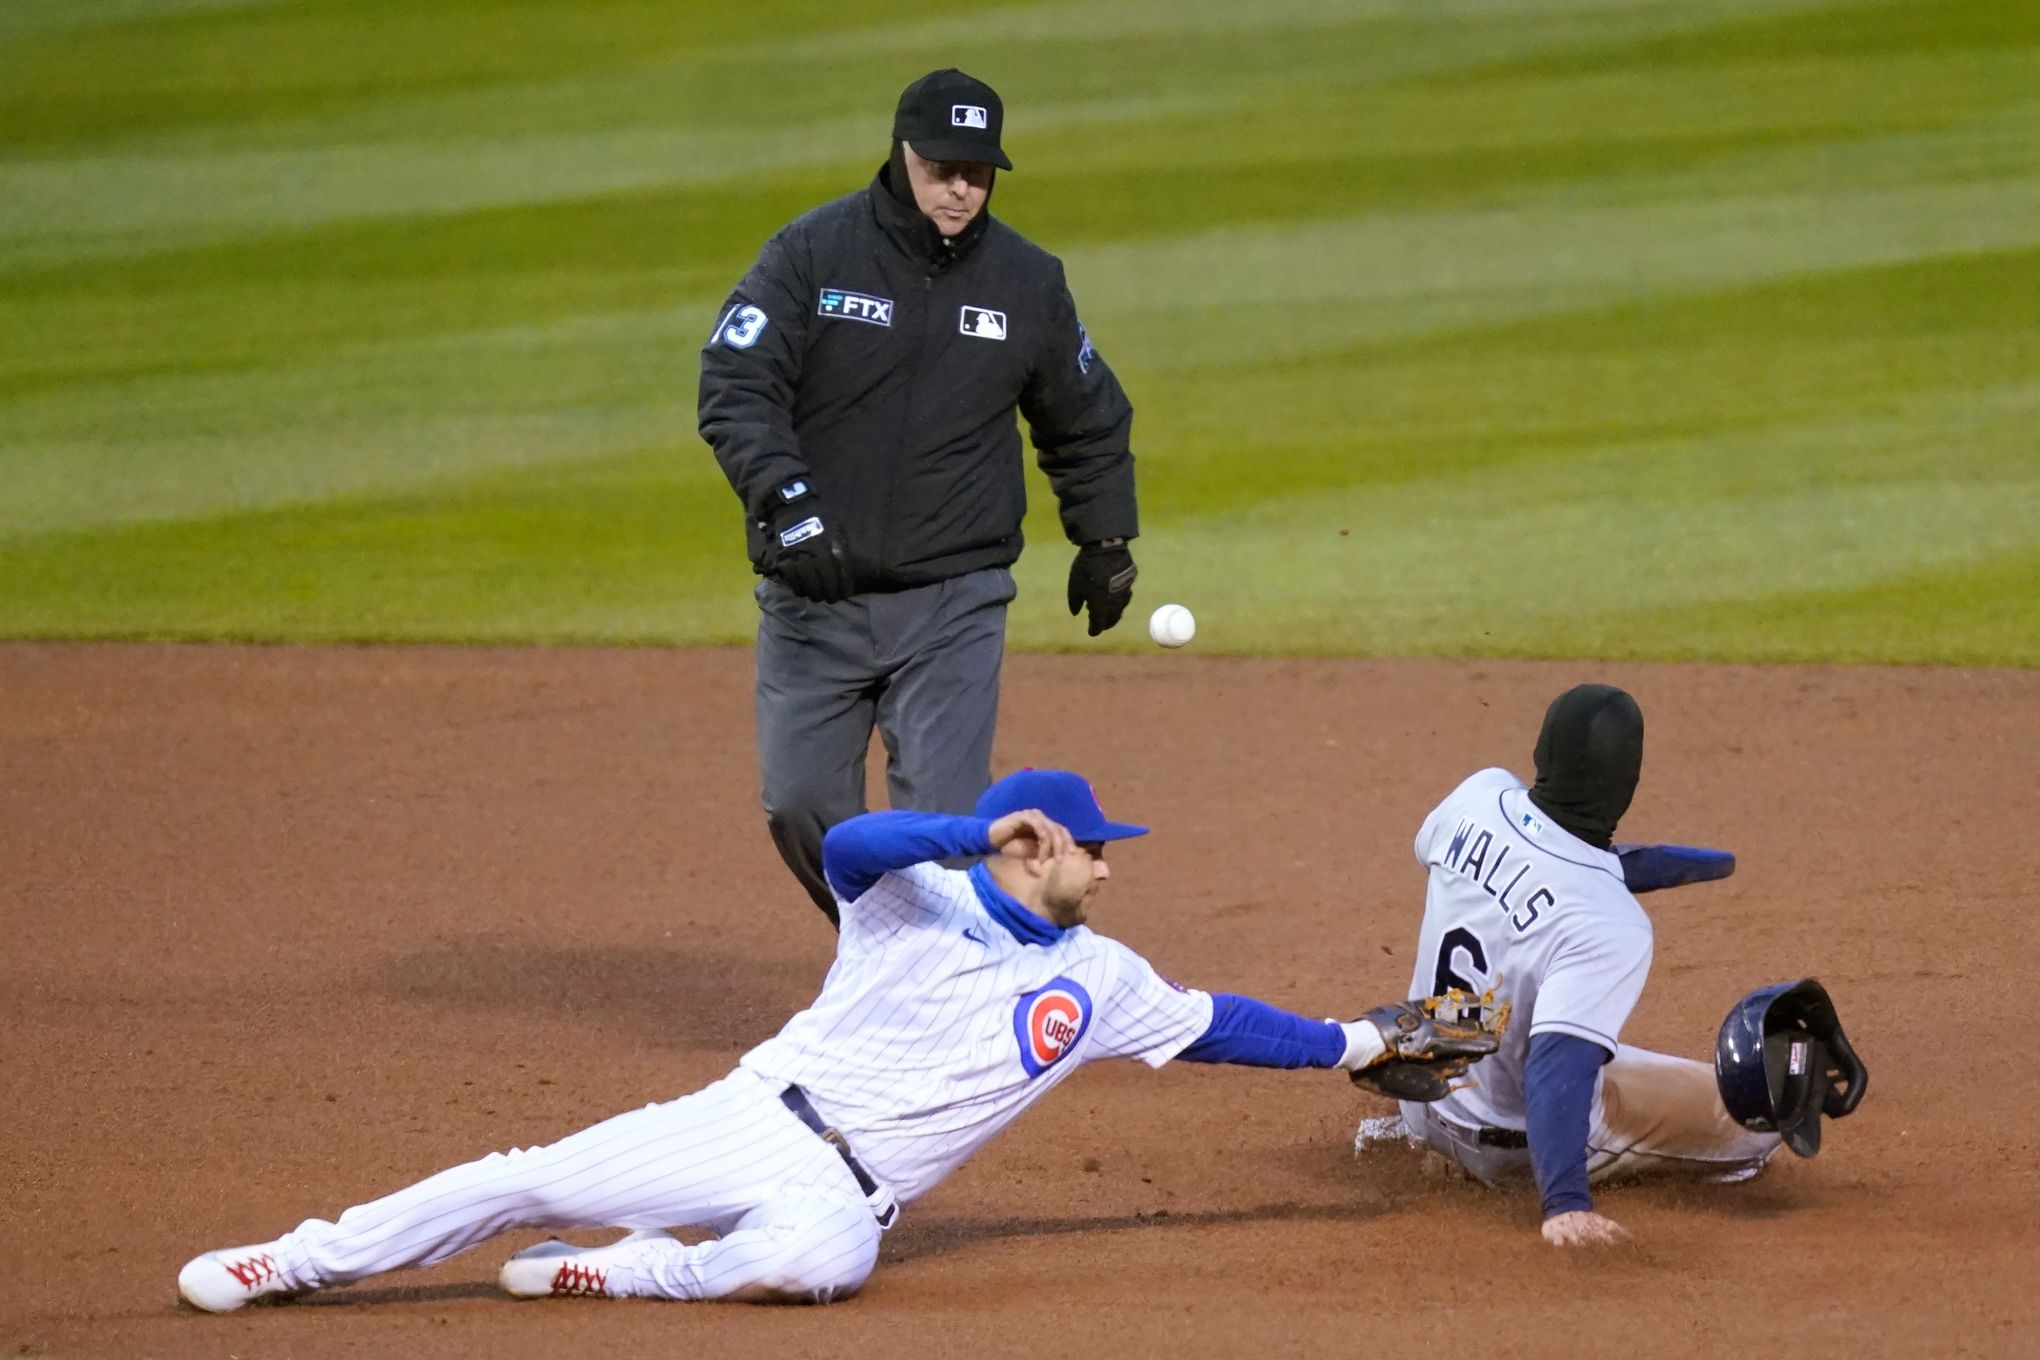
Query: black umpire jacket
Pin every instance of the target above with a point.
(865, 355)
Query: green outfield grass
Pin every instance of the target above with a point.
(1624, 328)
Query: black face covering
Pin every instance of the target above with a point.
(896, 176)
(1588, 758)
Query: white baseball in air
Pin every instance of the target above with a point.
(1172, 625)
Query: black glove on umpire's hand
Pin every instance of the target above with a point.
(804, 547)
(1102, 577)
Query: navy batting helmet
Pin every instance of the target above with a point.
(1782, 1062)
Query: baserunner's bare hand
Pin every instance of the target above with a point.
(1583, 1228)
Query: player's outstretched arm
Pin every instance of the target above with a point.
(1400, 1049)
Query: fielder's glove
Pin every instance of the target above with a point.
(1431, 1042)
(804, 548)
(1102, 577)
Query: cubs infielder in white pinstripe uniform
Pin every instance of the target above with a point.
(957, 999)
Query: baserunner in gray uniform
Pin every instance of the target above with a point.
(859, 390)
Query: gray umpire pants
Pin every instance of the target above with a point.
(922, 665)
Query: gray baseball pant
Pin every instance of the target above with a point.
(922, 665)
(1656, 1115)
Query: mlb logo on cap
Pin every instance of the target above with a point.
(949, 116)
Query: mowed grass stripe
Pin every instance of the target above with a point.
(1530, 559)
(348, 423)
(1564, 253)
(1527, 557)
(611, 549)
(685, 243)
(1970, 615)
(703, 118)
(369, 71)
(1847, 345)
(1955, 28)
(1557, 245)
(1686, 298)
(27, 19)
(374, 419)
(293, 65)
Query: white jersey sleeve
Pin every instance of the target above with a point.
(1591, 984)
(1146, 1016)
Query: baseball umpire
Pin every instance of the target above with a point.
(859, 391)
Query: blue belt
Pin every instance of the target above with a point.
(882, 1205)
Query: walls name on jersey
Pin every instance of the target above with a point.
(1486, 858)
(1049, 1021)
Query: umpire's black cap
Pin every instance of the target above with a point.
(949, 116)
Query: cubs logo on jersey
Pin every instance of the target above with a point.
(1049, 1022)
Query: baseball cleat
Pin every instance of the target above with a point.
(559, 1270)
(221, 1281)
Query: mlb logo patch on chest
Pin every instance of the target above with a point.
(877, 311)
(984, 323)
(1049, 1022)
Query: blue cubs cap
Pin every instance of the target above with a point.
(1065, 797)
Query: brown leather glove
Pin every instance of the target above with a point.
(1431, 1042)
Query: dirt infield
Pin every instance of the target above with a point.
(287, 928)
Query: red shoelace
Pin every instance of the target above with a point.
(574, 1278)
(252, 1270)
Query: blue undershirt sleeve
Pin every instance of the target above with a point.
(859, 852)
(1254, 1033)
(1558, 1097)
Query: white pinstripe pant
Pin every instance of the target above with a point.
(792, 1223)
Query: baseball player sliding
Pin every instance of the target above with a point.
(1531, 903)
(957, 1000)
